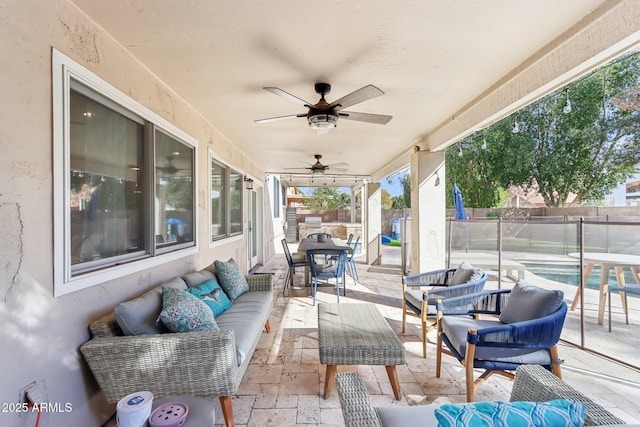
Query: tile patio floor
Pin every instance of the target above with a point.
(284, 382)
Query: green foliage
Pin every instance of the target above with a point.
(406, 189)
(587, 152)
(386, 199)
(398, 202)
(327, 198)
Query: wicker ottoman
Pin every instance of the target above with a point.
(357, 334)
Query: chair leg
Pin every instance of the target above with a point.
(424, 340)
(626, 308)
(468, 367)
(227, 410)
(338, 289)
(555, 357)
(609, 304)
(314, 284)
(286, 281)
(438, 355)
(404, 316)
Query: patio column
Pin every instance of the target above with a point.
(427, 211)
(372, 222)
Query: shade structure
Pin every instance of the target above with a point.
(458, 203)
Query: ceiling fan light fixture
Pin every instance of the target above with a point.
(322, 121)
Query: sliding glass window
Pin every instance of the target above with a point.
(226, 201)
(123, 181)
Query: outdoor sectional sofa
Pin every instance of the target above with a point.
(533, 383)
(207, 364)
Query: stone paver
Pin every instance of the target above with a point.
(284, 382)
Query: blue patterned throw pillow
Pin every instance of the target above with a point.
(212, 294)
(183, 312)
(231, 279)
(556, 413)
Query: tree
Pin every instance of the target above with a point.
(406, 189)
(327, 198)
(397, 202)
(386, 199)
(586, 152)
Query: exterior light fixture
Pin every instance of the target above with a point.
(567, 103)
(322, 121)
(515, 128)
(248, 183)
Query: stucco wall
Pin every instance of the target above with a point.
(40, 335)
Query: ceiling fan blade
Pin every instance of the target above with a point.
(275, 119)
(378, 119)
(300, 168)
(356, 97)
(287, 95)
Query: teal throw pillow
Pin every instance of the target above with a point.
(231, 279)
(212, 294)
(183, 312)
(556, 413)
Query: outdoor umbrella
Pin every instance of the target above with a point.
(457, 201)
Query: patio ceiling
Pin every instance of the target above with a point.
(435, 60)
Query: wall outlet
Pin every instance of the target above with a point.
(22, 396)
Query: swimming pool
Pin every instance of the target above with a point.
(570, 274)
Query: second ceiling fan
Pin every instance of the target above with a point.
(323, 116)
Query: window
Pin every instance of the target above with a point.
(226, 201)
(123, 182)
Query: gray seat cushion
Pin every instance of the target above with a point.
(246, 317)
(456, 328)
(403, 416)
(414, 297)
(528, 302)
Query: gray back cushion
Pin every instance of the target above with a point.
(197, 278)
(462, 275)
(527, 302)
(139, 316)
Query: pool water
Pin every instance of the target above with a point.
(570, 275)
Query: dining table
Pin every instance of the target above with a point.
(314, 243)
(606, 261)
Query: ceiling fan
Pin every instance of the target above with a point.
(170, 168)
(318, 168)
(323, 116)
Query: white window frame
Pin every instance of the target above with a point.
(63, 70)
(227, 236)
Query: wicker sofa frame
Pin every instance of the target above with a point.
(532, 383)
(193, 363)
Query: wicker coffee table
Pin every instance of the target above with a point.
(357, 334)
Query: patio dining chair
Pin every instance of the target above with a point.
(631, 288)
(293, 261)
(420, 292)
(326, 271)
(519, 326)
(351, 264)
